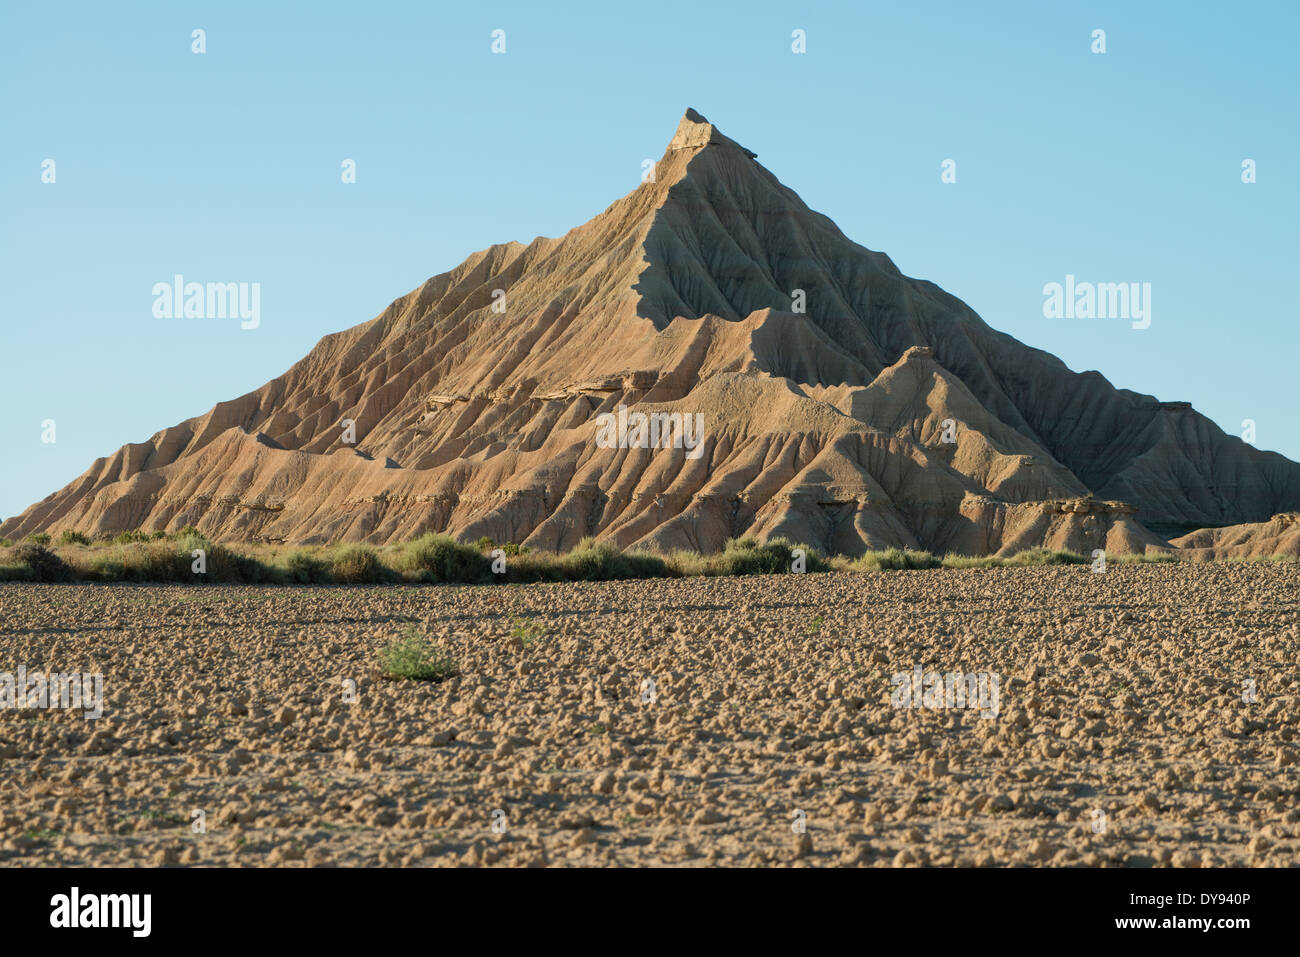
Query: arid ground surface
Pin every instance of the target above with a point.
(1124, 733)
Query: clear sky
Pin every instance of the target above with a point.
(226, 167)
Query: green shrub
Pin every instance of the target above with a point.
(1153, 558)
(1046, 556)
(685, 562)
(440, 558)
(414, 658)
(189, 539)
(1029, 557)
(225, 565)
(745, 556)
(155, 560)
(302, 567)
(158, 563)
(43, 564)
(103, 566)
(591, 560)
(357, 564)
(133, 562)
(38, 538)
(70, 537)
(896, 559)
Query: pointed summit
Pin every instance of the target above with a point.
(694, 132)
(839, 404)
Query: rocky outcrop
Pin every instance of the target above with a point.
(1279, 536)
(842, 404)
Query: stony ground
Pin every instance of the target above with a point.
(1124, 733)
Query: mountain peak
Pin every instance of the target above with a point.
(694, 132)
(883, 414)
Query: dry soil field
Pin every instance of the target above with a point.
(1143, 716)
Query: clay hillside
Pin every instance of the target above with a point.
(825, 423)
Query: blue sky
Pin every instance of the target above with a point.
(225, 166)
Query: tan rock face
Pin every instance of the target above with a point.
(837, 402)
(1280, 535)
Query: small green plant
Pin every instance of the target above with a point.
(815, 625)
(38, 538)
(526, 631)
(414, 658)
(70, 537)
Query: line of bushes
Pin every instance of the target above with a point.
(161, 557)
(895, 559)
(430, 558)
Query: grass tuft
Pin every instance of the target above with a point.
(414, 659)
